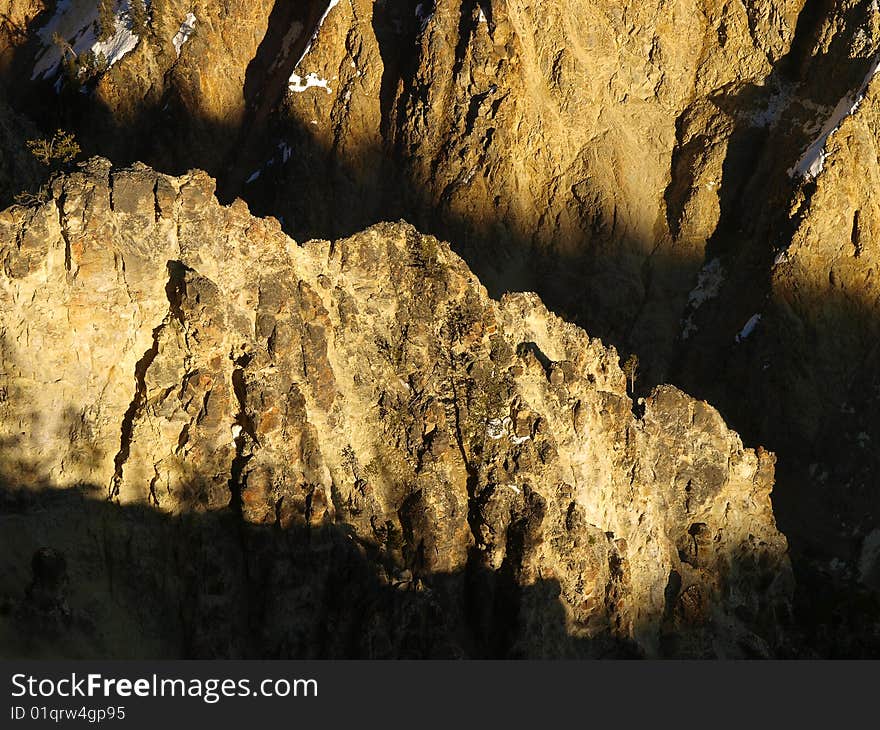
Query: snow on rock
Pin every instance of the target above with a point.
(424, 15)
(236, 432)
(781, 256)
(496, 428)
(332, 4)
(76, 21)
(812, 161)
(122, 42)
(778, 101)
(709, 281)
(296, 82)
(299, 84)
(187, 28)
(749, 327)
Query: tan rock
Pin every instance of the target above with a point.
(191, 359)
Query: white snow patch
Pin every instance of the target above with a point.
(780, 257)
(498, 428)
(495, 428)
(254, 177)
(123, 41)
(76, 21)
(749, 327)
(299, 84)
(187, 28)
(514, 488)
(482, 17)
(812, 161)
(777, 103)
(709, 281)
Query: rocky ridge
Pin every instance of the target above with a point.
(326, 425)
(690, 181)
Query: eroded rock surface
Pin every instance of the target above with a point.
(574, 148)
(349, 449)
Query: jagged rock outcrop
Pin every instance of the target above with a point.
(361, 451)
(692, 182)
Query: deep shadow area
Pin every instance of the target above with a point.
(139, 583)
(803, 386)
(266, 83)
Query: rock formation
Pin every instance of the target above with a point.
(480, 459)
(690, 181)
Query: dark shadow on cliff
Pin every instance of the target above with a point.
(803, 386)
(281, 168)
(140, 583)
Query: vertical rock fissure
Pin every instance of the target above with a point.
(65, 234)
(137, 404)
(174, 289)
(243, 430)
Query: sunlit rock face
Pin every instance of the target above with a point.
(691, 182)
(258, 418)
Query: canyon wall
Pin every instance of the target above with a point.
(690, 181)
(478, 459)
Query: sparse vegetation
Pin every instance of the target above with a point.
(158, 10)
(90, 64)
(78, 68)
(55, 152)
(350, 461)
(462, 317)
(58, 150)
(69, 61)
(631, 370)
(106, 19)
(29, 200)
(139, 17)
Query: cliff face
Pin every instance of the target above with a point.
(690, 181)
(572, 148)
(357, 408)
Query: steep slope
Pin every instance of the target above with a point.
(286, 415)
(571, 148)
(688, 180)
(785, 345)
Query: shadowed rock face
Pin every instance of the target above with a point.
(277, 415)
